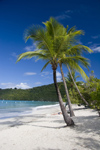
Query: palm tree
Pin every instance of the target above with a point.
(78, 50)
(77, 87)
(71, 49)
(56, 47)
(78, 59)
(67, 94)
(65, 47)
(69, 81)
(65, 40)
(48, 44)
(70, 60)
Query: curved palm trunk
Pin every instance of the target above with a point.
(67, 94)
(76, 86)
(66, 117)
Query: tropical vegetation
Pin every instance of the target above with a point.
(90, 91)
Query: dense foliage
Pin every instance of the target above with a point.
(46, 93)
(90, 91)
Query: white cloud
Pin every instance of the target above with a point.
(12, 85)
(30, 48)
(45, 73)
(96, 36)
(7, 85)
(30, 73)
(59, 77)
(68, 11)
(14, 55)
(48, 75)
(22, 86)
(38, 83)
(58, 74)
(89, 42)
(64, 15)
(79, 42)
(42, 75)
(95, 47)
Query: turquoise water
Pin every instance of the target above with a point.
(14, 108)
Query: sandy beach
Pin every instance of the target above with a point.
(46, 130)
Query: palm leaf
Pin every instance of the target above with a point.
(75, 66)
(45, 66)
(31, 54)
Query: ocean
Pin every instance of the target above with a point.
(15, 108)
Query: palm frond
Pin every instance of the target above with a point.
(40, 36)
(45, 66)
(32, 31)
(75, 66)
(71, 29)
(85, 48)
(31, 54)
(79, 60)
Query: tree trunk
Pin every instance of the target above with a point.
(66, 117)
(77, 87)
(67, 94)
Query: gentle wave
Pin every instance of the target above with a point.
(8, 109)
(34, 109)
(46, 106)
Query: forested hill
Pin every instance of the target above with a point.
(46, 93)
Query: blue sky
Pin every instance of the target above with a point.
(18, 15)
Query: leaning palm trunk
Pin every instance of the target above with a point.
(67, 94)
(76, 86)
(66, 117)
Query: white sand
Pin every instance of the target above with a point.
(45, 131)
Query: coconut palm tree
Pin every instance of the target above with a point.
(57, 34)
(70, 49)
(53, 42)
(73, 63)
(78, 50)
(69, 80)
(48, 44)
(77, 87)
(65, 48)
(70, 60)
(65, 41)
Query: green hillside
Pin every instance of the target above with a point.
(45, 93)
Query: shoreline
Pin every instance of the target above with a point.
(45, 131)
(8, 110)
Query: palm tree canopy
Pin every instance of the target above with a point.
(56, 44)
